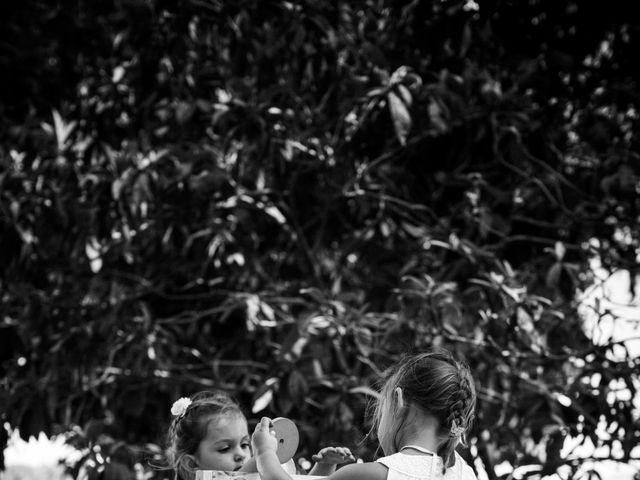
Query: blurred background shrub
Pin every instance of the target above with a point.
(279, 198)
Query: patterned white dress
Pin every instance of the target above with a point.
(424, 467)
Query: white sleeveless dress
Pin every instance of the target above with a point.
(424, 467)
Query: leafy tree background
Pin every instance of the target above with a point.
(280, 198)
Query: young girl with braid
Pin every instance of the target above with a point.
(425, 408)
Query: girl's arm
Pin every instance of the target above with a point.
(269, 467)
(264, 447)
(361, 471)
(265, 443)
(249, 466)
(328, 458)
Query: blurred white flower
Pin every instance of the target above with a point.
(38, 458)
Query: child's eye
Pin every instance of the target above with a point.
(246, 445)
(223, 449)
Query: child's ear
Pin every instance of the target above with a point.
(399, 398)
(191, 461)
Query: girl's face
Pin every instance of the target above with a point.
(227, 445)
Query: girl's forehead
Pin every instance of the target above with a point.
(227, 421)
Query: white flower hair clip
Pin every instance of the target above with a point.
(180, 406)
(456, 430)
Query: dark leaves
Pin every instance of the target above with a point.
(280, 208)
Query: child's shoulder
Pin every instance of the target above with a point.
(426, 466)
(361, 471)
(401, 465)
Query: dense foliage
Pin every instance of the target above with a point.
(279, 198)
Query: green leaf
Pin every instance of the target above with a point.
(264, 396)
(297, 385)
(400, 116)
(364, 390)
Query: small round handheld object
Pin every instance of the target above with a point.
(288, 438)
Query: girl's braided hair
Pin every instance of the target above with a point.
(440, 386)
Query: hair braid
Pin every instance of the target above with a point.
(460, 410)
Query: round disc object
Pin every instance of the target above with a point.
(288, 438)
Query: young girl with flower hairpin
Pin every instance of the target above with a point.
(210, 432)
(425, 408)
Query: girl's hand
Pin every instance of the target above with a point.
(333, 455)
(264, 437)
